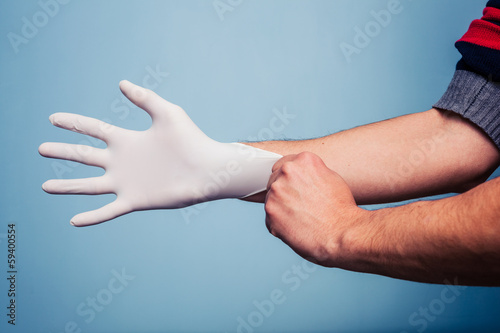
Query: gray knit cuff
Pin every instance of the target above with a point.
(475, 98)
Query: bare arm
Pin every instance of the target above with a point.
(435, 241)
(411, 156)
(312, 210)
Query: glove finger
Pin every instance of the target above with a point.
(85, 125)
(93, 185)
(148, 100)
(78, 153)
(105, 213)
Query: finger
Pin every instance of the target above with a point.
(81, 124)
(276, 170)
(282, 160)
(274, 176)
(94, 185)
(103, 214)
(269, 226)
(77, 153)
(147, 100)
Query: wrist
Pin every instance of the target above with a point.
(376, 244)
(351, 244)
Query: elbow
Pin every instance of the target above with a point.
(478, 178)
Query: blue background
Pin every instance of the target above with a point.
(200, 270)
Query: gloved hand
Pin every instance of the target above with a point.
(173, 164)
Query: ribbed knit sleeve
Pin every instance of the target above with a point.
(474, 91)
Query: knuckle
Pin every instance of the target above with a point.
(307, 156)
(268, 208)
(275, 188)
(272, 209)
(288, 168)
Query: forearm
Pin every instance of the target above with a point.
(453, 239)
(406, 157)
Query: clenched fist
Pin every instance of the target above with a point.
(310, 208)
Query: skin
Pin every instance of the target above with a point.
(314, 191)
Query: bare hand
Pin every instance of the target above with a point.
(310, 208)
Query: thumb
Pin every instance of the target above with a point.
(148, 100)
(279, 163)
(276, 170)
(103, 214)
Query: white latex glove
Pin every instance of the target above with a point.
(173, 164)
